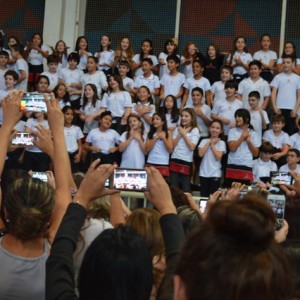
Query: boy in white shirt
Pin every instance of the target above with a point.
(172, 83)
(217, 89)
(254, 83)
(259, 117)
(20, 66)
(128, 83)
(286, 93)
(225, 109)
(52, 74)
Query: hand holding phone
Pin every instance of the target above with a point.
(23, 139)
(33, 102)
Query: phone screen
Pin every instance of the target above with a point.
(40, 175)
(33, 102)
(23, 139)
(277, 202)
(130, 179)
(281, 178)
(202, 205)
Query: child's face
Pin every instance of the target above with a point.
(82, 44)
(211, 52)
(265, 156)
(288, 64)
(192, 49)
(253, 102)
(72, 64)
(36, 40)
(240, 44)
(288, 49)
(60, 47)
(292, 158)
(113, 83)
(123, 70)
(69, 116)
(146, 48)
(105, 41)
(197, 97)
(186, 119)
(169, 104)
(14, 53)
(105, 122)
(61, 91)
(277, 126)
(9, 81)
(239, 121)
(146, 67)
(157, 121)
(91, 65)
(172, 65)
(197, 69)
(3, 60)
(230, 91)
(134, 123)
(225, 75)
(52, 67)
(143, 94)
(11, 42)
(125, 44)
(88, 92)
(265, 43)
(254, 71)
(215, 129)
(42, 85)
(170, 48)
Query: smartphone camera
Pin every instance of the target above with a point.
(129, 179)
(33, 102)
(23, 139)
(278, 178)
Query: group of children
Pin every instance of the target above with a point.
(216, 125)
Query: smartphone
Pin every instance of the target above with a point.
(129, 179)
(40, 175)
(202, 205)
(23, 139)
(281, 178)
(33, 102)
(277, 202)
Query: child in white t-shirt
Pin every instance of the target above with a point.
(128, 83)
(294, 140)
(52, 74)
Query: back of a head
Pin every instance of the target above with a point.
(116, 266)
(29, 204)
(233, 255)
(189, 218)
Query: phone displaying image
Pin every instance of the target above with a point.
(277, 202)
(129, 179)
(281, 178)
(33, 102)
(40, 175)
(23, 139)
(202, 205)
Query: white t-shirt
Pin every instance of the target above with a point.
(69, 76)
(88, 110)
(279, 61)
(287, 86)
(181, 150)
(294, 141)
(83, 61)
(62, 104)
(3, 93)
(152, 82)
(218, 91)
(276, 141)
(32, 123)
(21, 65)
(150, 113)
(286, 168)
(210, 166)
(226, 109)
(53, 78)
(265, 56)
(242, 156)
(103, 139)
(245, 58)
(187, 70)
(35, 58)
(98, 79)
(172, 85)
(136, 58)
(263, 169)
(117, 103)
(72, 135)
(202, 83)
(170, 123)
(2, 79)
(247, 85)
(133, 156)
(158, 154)
(256, 121)
(128, 84)
(163, 69)
(105, 57)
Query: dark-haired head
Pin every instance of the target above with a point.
(94, 97)
(174, 58)
(62, 86)
(174, 110)
(74, 56)
(231, 84)
(116, 266)
(234, 250)
(12, 73)
(162, 117)
(173, 42)
(244, 114)
(77, 45)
